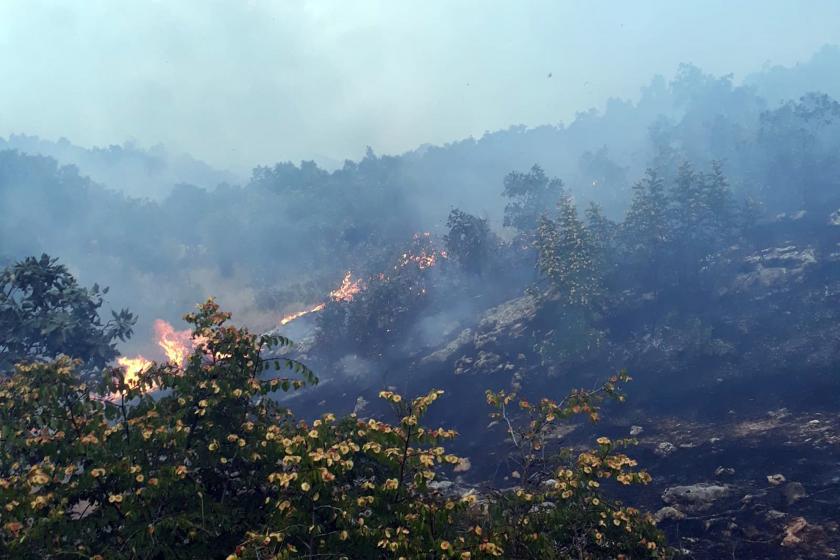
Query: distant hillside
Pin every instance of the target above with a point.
(138, 172)
(157, 225)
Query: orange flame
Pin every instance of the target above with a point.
(345, 292)
(176, 345)
(133, 367)
(348, 289)
(292, 316)
(423, 260)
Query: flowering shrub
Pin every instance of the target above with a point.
(200, 462)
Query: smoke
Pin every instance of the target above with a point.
(283, 239)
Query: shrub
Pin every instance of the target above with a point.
(200, 462)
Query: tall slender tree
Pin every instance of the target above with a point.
(566, 254)
(646, 228)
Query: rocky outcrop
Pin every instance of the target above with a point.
(480, 349)
(695, 498)
(775, 267)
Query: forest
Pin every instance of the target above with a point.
(612, 338)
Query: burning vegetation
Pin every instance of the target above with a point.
(421, 254)
(345, 292)
(175, 345)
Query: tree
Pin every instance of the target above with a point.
(372, 322)
(798, 161)
(44, 312)
(718, 204)
(200, 462)
(701, 215)
(686, 198)
(646, 229)
(469, 241)
(566, 255)
(602, 232)
(531, 195)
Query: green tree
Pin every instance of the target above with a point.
(602, 232)
(702, 218)
(469, 241)
(566, 255)
(718, 204)
(44, 312)
(646, 229)
(531, 194)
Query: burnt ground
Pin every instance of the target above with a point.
(763, 486)
(736, 395)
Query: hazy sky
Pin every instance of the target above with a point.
(239, 83)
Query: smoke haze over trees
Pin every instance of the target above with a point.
(197, 231)
(687, 233)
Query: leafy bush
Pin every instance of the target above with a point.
(470, 241)
(200, 462)
(44, 312)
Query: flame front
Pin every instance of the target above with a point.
(345, 292)
(423, 260)
(348, 289)
(176, 345)
(292, 316)
(133, 367)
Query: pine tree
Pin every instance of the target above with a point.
(687, 201)
(701, 212)
(646, 224)
(647, 230)
(602, 231)
(566, 254)
(717, 200)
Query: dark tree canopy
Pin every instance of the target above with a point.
(531, 194)
(44, 313)
(469, 240)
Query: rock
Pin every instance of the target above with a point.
(508, 319)
(636, 430)
(695, 497)
(775, 267)
(665, 448)
(721, 472)
(451, 348)
(361, 404)
(463, 465)
(82, 509)
(536, 508)
(792, 531)
(774, 515)
(775, 479)
(670, 513)
(793, 492)
(834, 218)
(440, 485)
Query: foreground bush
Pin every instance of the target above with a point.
(200, 462)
